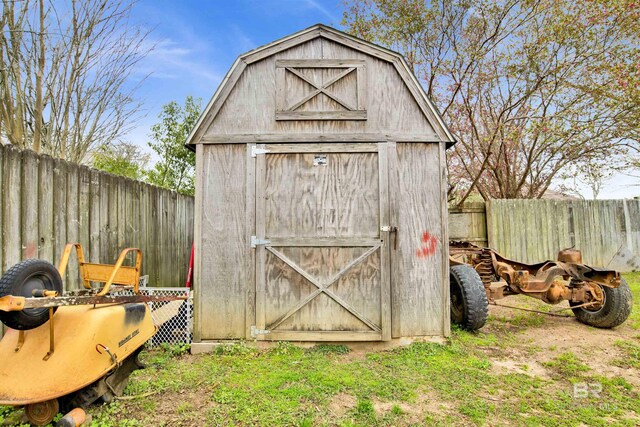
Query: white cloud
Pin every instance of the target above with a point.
(313, 4)
(169, 59)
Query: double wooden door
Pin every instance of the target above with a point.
(322, 252)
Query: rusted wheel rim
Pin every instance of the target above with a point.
(457, 303)
(602, 297)
(42, 413)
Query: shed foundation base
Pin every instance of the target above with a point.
(209, 346)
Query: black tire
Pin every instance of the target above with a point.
(615, 310)
(469, 306)
(21, 280)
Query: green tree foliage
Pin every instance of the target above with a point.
(534, 90)
(176, 168)
(123, 159)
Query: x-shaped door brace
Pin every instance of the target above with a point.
(324, 288)
(321, 88)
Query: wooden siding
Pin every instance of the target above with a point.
(221, 243)
(417, 282)
(48, 202)
(387, 110)
(535, 230)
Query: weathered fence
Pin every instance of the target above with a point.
(606, 231)
(48, 202)
(468, 222)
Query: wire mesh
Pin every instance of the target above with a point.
(173, 318)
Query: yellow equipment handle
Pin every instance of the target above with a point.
(104, 273)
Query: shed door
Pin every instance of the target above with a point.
(322, 260)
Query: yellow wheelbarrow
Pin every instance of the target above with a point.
(64, 351)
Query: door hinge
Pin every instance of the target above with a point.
(255, 241)
(255, 151)
(255, 332)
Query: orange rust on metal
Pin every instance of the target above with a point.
(593, 295)
(556, 293)
(495, 290)
(549, 281)
(42, 413)
(570, 256)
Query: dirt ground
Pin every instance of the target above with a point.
(558, 335)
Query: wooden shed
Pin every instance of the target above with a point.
(321, 209)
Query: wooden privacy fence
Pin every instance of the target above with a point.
(468, 222)
(47, 202)
(534, 230)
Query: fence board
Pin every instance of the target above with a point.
(84, 206)
(45, 211)
(29, 214)
(47, 202)
(73, 172)
(468, 222)
(11, 201)
(535, 230)
(95, 210)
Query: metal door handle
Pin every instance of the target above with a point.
(394, 230)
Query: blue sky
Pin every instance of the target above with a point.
(197, 41)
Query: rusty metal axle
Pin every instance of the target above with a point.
(566, 279)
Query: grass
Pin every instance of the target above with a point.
(566, 365)
(420, 384)
(633, 279)
(631, 354)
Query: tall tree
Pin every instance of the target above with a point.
(530, 88)
(176, 167)
(66, 74)
(122, 159)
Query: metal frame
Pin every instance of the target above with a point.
(105, 273)
(549, 281)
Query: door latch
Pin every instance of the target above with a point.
(392, 229)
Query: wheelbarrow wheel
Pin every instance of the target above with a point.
(21, 280)
(469, 306)
(42, 413)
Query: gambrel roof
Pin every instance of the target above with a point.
(425, 105)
